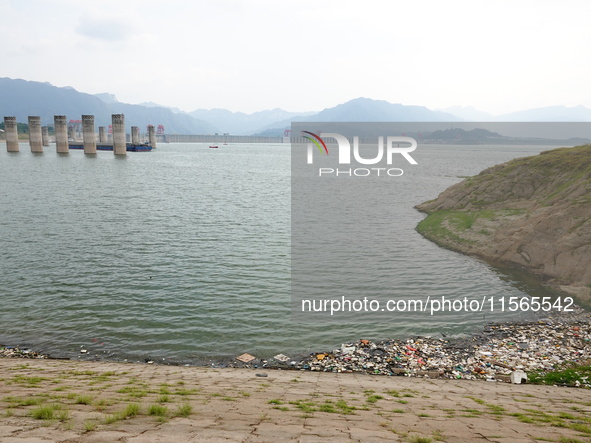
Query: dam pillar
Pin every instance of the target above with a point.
(61, 134)
(11, 132)
(151, 136)
(102, 135)
(119, 145)
(135, 135)
(44, 135)
(35, 133)
(88, 134)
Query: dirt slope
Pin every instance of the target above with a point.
(532, 212)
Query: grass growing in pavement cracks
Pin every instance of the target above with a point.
(28, 382)
(89, 426)
(131, 410)
(569, 440)
(309, 407)
(373, 398)
(184, 410)
(24, 401)
(50, 412)
(158, 410)
(83, 400)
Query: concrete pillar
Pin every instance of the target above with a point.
(119, 146)
(135, 135)
(102, 135)
(44, 136)
(61, 134)
(72, 133)
(11, 132)
(88, 134)
(35, 133)
(152, 137)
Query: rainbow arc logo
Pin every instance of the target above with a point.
(316, 140)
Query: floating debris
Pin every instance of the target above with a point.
(282, 358)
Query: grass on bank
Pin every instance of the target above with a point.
(448, 225)
(570, 374)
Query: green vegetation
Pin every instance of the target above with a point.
(21, 128)
(29, 382)
(569, 374)
(112, 418)
(448, 225)
(158, 410)
(89, 426)
(373, 398)
(132, 410)
(24, 401)
(185, 392)
(184, 410)
(50, 412)
(84, 400)
(438, 436)
(134, 391)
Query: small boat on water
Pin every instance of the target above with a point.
(214, 146)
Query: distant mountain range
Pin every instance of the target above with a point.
(240, 123)
(367, 110)
(22, 98)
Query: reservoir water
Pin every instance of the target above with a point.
(184, 253)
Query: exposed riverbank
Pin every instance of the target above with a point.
(533, 213)
(535, 347)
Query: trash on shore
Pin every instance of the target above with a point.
(246, 358)
(15, 352)
(500, 352)
(504, 352)
(518, 377)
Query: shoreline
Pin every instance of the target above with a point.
(539, 346)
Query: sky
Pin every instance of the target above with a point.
(495, 55)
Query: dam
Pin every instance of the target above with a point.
(65, 138)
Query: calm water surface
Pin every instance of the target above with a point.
(184, 253)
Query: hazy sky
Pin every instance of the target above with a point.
(496, 55)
